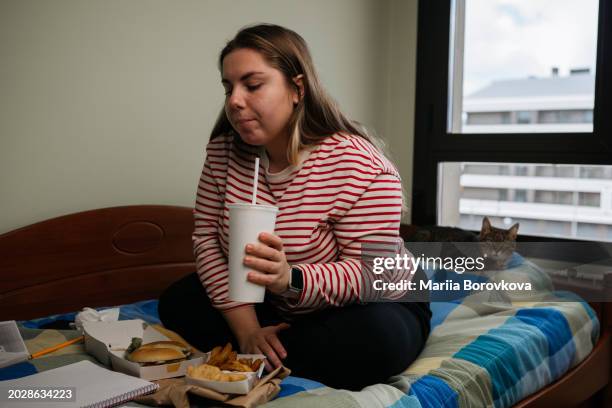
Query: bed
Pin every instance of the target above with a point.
(128, 255)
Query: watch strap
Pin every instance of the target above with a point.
(296, 280)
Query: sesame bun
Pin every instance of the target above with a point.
(155, 355)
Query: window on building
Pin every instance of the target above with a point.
(521, 170)
(520, 196)
(594, 172)
(488, 118)
(565, 116)
(553, 171)
(554, 197)
(523, 117)
(599, 231)
(590, 199)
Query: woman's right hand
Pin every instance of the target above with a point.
(264, 340)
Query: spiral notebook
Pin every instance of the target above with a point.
(94, 386)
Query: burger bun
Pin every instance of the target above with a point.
(175, 345)
(155, 355)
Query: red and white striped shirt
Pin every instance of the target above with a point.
(344, 195)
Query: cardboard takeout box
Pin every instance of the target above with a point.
(107, 342)
(231, 387)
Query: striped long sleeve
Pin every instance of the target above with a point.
(343, 198)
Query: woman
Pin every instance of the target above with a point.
(336, 195)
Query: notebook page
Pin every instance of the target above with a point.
(93, 384)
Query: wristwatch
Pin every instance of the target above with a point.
(296, 283)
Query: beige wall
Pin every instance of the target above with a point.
(398, 111)
(108, 103)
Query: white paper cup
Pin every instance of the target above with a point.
(246, 222)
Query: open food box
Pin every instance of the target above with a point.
(108, 342)
(227, 372)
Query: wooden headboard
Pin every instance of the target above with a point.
(101, 257)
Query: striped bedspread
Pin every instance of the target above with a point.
(484, 350)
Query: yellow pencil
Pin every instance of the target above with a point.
(57, 347)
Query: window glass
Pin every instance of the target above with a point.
(522, 66)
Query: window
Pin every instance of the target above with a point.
(511, 60)
(487, 118)
(590, 199)
(523, 117)
(520, 196)
(565, 116)
(509, 160)
(595, 172)
(521, 170)
(544, 203)
(554, 197)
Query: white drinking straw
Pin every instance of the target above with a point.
(255, 179)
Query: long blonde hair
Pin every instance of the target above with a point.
(316, 116)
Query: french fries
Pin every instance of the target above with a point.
(235, 365)
(226, 359)
(251, 362)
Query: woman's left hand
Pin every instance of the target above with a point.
(270, 267)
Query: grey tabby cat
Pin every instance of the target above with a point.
(497, 244)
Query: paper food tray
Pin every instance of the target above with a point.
(107, 342)
(231, 387)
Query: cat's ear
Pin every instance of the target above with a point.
(486, 226)
(513, 231)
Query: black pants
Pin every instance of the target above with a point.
(342, 347)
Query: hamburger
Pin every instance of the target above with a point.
(158, 352)
(156, 356)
